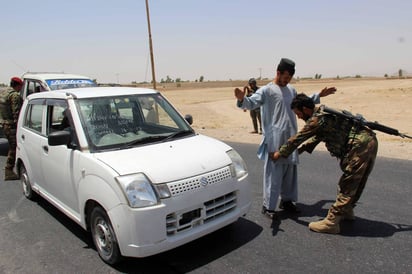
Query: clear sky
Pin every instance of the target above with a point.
(218, 39)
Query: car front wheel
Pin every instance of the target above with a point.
(104, 237)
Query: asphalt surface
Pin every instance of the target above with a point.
(37, 238)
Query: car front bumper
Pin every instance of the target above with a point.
(179, 219)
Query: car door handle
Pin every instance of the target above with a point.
(23, 137)
(46, 149)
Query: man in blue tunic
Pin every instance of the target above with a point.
(279, 123)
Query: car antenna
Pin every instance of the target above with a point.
(21, 67)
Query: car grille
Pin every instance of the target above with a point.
(210, 210)
(194, 183)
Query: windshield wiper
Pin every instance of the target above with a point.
(157, 138)
(178, 134)
(145, 140)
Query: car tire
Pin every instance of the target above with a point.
(25, 182)
(104, 237)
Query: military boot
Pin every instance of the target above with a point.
(348, 214)
(10, 175)
(328, 225)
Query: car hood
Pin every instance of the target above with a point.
(170, 161)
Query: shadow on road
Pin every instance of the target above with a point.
(360, 227)
(66, 221)
(4, 147)
(370, 228)
(197, 253)
(182, 259)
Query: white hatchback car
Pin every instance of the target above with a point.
(123, 164)
(34, 82)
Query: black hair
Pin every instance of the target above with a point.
(300, 101)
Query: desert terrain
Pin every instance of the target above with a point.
(387, 101)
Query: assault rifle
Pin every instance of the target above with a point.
(358, 119)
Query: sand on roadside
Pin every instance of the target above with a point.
(387, 101)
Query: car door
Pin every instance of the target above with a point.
(29, 139)
(57, 161)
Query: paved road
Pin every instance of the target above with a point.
(36, 238)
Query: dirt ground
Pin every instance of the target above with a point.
(387, 101)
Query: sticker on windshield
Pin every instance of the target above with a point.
(69, 83)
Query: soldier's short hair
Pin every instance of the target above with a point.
(302, 100)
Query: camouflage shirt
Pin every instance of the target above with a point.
(10, 104)
(338, 133)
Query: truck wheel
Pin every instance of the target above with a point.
(103, 236)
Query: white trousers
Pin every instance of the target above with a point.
(279, 180)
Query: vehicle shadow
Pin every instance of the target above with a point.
(72, 226)
(195, 254)
(360, 227)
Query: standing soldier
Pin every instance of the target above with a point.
(254, 113)
(10, 104)
(354, 144)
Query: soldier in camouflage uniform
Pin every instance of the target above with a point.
(254, 113)
(355, 145)
(10, 104)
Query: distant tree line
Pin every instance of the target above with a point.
(401, 73)
(179, 80)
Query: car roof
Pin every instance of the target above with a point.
(91, 92)
(52, 75)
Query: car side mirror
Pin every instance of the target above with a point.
(189, 118)
(59, 138)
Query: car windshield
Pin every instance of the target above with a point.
(56, 84)
(126, 121)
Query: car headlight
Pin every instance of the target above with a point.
(238, 167)
(138, 189)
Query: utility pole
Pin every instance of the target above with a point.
(151, 46)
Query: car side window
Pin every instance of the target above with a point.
(56, 119)
(30, 88)
(59, 119)
(33, 116)
(33, 86)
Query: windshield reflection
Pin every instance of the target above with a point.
(124, 121)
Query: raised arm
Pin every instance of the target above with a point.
(239, 94)
(327, 91)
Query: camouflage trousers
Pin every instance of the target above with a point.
(255, 115)
(10, 133)
(356, 165)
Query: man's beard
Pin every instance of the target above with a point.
(281, 83)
